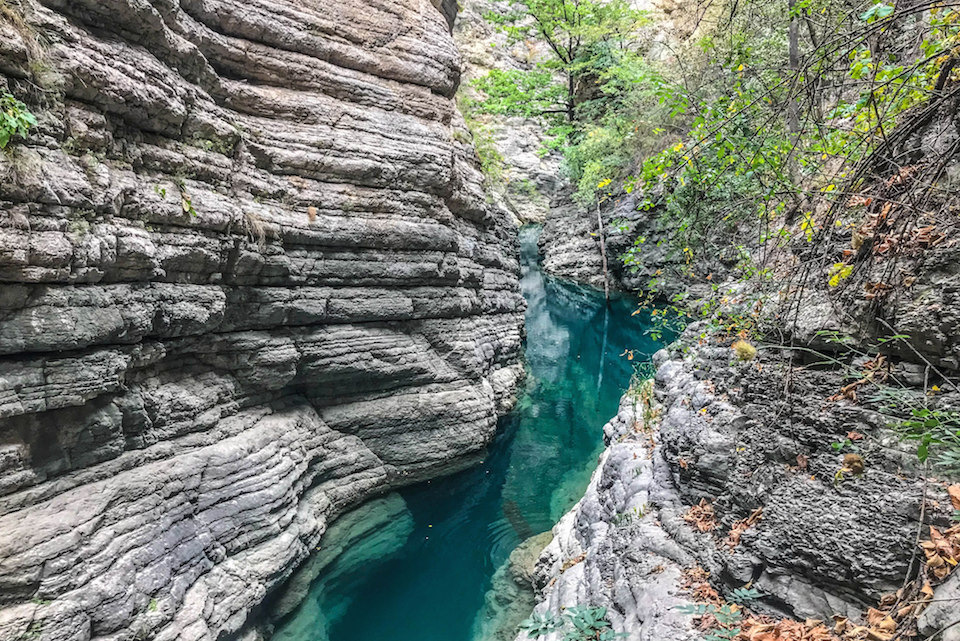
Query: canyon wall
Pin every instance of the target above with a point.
(248, 278)
(776, 511)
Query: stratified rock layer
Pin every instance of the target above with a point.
(725, 434)
(248, 277)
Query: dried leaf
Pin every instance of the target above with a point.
(887, 624)
(874, 617)
(853, 463)
(954, 492)
(741, 526)
(904, 612)
(701, 516)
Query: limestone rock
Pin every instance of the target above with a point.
(611, 551)
(723, 432)
(248, 278)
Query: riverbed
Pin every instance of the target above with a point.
(421, 564)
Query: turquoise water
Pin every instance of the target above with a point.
(418, 566)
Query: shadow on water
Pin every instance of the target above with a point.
(423, 571)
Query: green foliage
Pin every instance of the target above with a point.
(579, 82)
(491, 160)
(876, 12)
(937, 433)
(582, 623)
(743, 596)
(729, 166)
(570, 28)
(626, 518)
(669, 320)
(15, 119)
(589, 624)
(514, 92)
(845, 444)
(603, 151)
(737, 136)
(739, 159)
(540, 624)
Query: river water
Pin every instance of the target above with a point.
(420, 565)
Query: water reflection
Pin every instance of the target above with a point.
(426, 574)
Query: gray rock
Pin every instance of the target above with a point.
(611, 550)
(941, 615)
(726, 432)
(249, 278)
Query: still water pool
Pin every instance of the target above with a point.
(420, 566)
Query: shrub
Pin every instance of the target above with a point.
(15, 119)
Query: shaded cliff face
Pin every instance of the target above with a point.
(248, 277)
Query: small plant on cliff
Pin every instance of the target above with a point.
(540, 624)
(586, 623)
(15, 119)
(590, 624)
(726, 618)
(937, 433)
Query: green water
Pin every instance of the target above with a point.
(418, 566)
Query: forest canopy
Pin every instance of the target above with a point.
(751, 112)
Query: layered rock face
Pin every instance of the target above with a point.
(822, 542)
(248, 277)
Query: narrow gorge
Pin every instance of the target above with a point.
(489, 320)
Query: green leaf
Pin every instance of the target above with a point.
(876, 12)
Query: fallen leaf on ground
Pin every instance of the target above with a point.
(954, 492)
(702, 516)
(741, 526)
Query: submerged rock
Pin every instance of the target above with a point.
(369, 534)
(250, 279)
(510, 597)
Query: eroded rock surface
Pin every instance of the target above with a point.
(248, 277)
(611, 550)
(744, 438)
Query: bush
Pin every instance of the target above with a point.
(15, 119)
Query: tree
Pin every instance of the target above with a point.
(580, 36)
